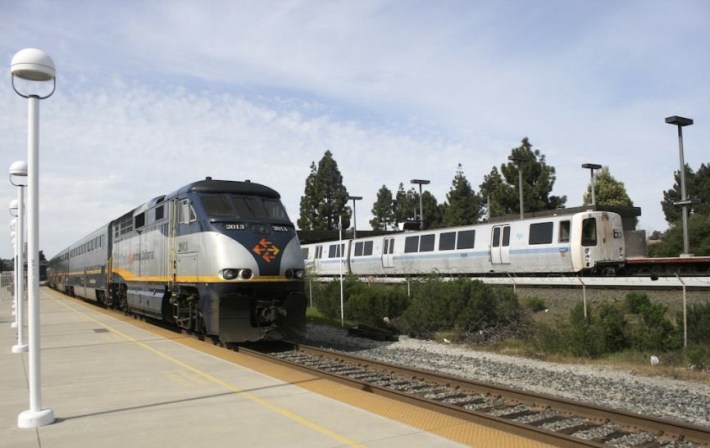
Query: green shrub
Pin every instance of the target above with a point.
(698, 323)
(535, 304)
(460, 305)
(656, 333)
(371, 304)
(635, 301)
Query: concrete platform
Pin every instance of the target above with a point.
(112, 383)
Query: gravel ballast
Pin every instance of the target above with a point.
(655, 396)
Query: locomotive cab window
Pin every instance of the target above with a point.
(217, 206)
(589, 232)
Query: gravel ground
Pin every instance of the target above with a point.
(661, 397)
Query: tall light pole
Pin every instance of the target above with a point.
(420, 182)
(355, 198)
(33, 65)
(18, 178)
(519, 160)
(591, 167)
(680, 122)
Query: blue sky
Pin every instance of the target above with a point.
(152, 95)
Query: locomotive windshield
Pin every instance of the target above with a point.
(229, 206)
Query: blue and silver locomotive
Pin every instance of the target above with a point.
(220, 258)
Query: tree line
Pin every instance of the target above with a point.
(325, 202)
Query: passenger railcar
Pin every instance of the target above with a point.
(587, 242)
(217, 257)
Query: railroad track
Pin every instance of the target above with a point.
(547, 419)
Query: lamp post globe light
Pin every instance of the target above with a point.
(684, 202)
(35, 66)
(18, 178)
(420, 182)
(354, 198)
(591, 167)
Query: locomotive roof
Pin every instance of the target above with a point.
(230, 186)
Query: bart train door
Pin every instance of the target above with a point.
(500, 245)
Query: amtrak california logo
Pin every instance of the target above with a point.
(266, 250)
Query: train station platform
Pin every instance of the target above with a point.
(113, 381)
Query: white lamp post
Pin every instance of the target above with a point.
(33, 65)
(13, 234)
(18, 178)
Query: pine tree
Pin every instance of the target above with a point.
(325, 199)
(463, 205)
(538, 180)
(607, 190)
(383, 210)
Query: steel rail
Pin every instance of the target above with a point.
(660, 427)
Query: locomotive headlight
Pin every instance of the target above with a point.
(237, 274)
(229, 274)
(298, 274)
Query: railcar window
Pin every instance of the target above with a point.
(447, 241)
(427, 243)
(319, 252)
(589, 232)
(358, 249)
(466, 240)
(388, 248)
(496, 237)
(368, 248)
(506, 236)
(411, 244)
(159, 213)
(564, 231)
(335, 250)
(140, 220)
(540, 233)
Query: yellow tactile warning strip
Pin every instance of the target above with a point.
(445, 426)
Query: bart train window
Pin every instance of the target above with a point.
(363, 248)
(540, 233)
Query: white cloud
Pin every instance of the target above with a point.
(153, 95)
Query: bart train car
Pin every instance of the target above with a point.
(220, 258)
(589, 242)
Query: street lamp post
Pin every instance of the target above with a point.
(354, 198)
(18, 178)
(32, 65)
(420, 182)
(591, 167)
(684, 202)
(519, 161)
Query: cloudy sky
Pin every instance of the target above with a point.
(152, 95)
